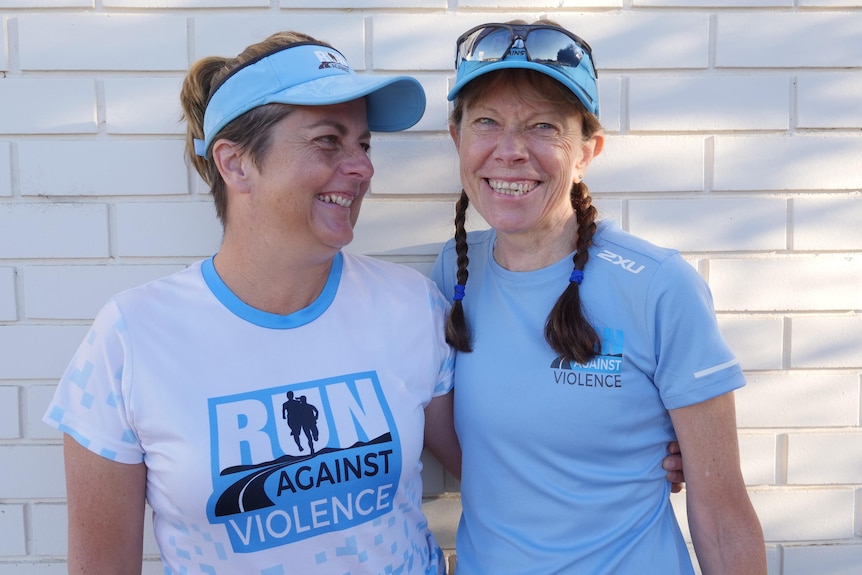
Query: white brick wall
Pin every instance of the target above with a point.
(102, 41)
(734, 134)
(7, 294)
(38, 110)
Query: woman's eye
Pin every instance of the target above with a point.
(485, 124)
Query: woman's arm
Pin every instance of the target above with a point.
(726, 533)
(106, 503)
(440, 437)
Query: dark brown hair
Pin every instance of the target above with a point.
(251, 131)
(567, 329)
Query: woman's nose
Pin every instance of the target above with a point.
(359, 163)
(511, 147)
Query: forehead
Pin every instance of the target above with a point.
(525, 97)
(348, 118)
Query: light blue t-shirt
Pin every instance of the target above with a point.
(562, 463)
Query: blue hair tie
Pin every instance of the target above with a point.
(459, 292)
(577, 276)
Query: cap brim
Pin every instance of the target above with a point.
(590, 101)
(394, 103)
(311, 75)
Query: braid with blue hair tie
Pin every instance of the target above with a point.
(459, 293)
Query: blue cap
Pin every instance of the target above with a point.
(580, 80)
(311, 75)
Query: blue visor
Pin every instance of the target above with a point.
(311, 75)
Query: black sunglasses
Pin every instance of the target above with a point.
(542, 43)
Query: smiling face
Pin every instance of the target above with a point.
(306, 191)
(520, 153)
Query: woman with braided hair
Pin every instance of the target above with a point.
(583, 350)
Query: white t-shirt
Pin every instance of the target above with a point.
(273, 444)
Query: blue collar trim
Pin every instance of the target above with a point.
(274, 320)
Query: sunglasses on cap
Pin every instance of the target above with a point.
(541, 43)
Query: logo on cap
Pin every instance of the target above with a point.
(331, 60)
(518, 49)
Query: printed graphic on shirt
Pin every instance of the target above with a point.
(296, 461)
(616, 259)
(602, 371)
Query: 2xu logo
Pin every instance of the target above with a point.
(616, 259)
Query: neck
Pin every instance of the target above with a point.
(529, 251)
(276, 283)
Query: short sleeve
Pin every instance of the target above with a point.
(440, 271)
(694, 362)
(90, 401)
(440, 313)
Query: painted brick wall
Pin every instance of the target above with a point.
(735, 134)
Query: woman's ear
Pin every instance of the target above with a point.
(232, 164)
(600, 143)
(453, 132)
(591, 148)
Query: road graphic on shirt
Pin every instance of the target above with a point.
(292, 462)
